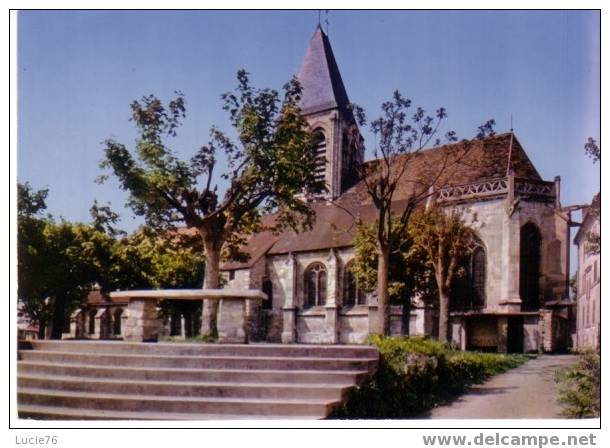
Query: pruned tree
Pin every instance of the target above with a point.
(399, 138)
(268, 169)
(443, 237)
(409, 275)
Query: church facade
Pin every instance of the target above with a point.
(516, 297)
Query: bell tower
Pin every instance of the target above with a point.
(326, 108)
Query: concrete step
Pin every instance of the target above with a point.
(184, 388)
(119, 380)
(192, 375)
(311, 408)
(224, 362)
(195, 349)
(60, 413)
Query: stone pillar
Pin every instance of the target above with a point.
(232, 321)
(374, 314)
(142, 323)
(546, 330)
(77, 325)
(182, 327)
(502, 334)
(124, 318)
(99, 324)
(332, 309)
(510, 258)
(209, 309)
(289, 333)
(458, 332)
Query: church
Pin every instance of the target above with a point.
(517, 298)
(519, 263)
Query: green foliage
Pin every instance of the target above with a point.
(408, 273)
(415, 374)
(59, 263)
(442, 236)
(29, 202)
(148, 260)
(580, 392)
(273, 161)
(593, 150)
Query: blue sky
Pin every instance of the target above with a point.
(79, 71)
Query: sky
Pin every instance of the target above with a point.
(78, 72)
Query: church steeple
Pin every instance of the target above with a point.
(323, 87)
(325, 105)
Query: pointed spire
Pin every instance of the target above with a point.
(323, 87)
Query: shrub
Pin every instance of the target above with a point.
(579, 392)
(416, 373)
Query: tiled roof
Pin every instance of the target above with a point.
(334, 226)
(323, 87)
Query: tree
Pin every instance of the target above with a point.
(272, 164)
(57, 262)
(443, 236)
(146, 259)
(399, 139)
(593, 150)
(593, 243)
(408, 276)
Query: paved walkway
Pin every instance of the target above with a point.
(528, 391)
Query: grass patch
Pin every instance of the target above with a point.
(579, 387)
(415, 374)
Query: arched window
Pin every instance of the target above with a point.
(529, 267)
(468, 292)
(478, 276)
(116, 321)
(315, 285)
(352, 294)
(320, 140)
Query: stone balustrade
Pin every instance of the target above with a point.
(142, 323)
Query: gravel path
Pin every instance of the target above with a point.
(528, 391)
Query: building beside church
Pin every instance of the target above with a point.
(517, 294)
(588, 292)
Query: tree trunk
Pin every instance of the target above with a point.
(443, 315)
(57, 323)
(383, 265)
(406, 315)
(42, 329)
(212, 281)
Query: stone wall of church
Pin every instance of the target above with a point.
(317, 324)
(500, 234)
(498, 227)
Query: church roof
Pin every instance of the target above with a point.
(335, 222)
(323, 87)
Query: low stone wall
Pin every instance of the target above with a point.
(142, 323)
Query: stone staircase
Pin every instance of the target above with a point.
(109, 380)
